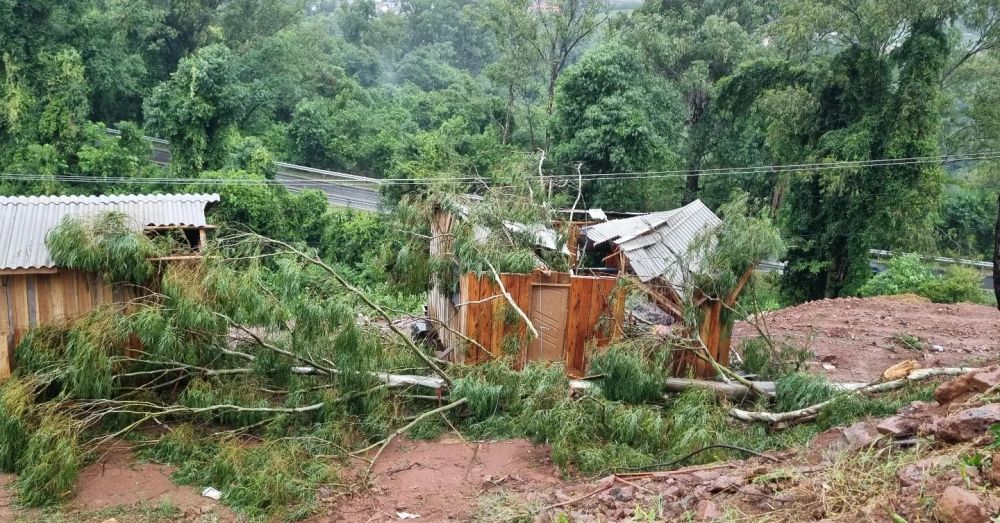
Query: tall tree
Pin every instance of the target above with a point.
(613, 115)
(196, 108)
(694, 44)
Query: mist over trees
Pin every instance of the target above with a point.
(424, 89)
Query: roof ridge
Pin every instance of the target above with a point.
(105, 198)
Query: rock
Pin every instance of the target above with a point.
(707, 510)
(861, 435)
(897, 426)
(725, 483)
(967, 424)
(957, 505)
(110, 520)
(916, 473)
(937, 348)
(966, 386)
(671, 492)
(994, 472)
(707, 475)
(827, 366)
(623, 494)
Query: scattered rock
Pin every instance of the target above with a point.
(897, 426)
(861, 435)
(707, 510)
(916, 473)
(968, 385)
(707, 475)
(967, 424)
(957, 505)
(623, 494)
(994, 472)
(725, 483)
(671, 492)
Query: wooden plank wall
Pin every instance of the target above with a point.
(594, 316)
(30, 300)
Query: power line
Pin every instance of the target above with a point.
(592, 177)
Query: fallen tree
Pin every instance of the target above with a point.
(872, 388)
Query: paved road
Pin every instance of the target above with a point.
(342, 189)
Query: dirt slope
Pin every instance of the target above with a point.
(855, 335)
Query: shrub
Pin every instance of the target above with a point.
(907, 275)
(904, 274)
(958, 284)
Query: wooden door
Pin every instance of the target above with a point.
(549, 306)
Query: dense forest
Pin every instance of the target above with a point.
(859, 124)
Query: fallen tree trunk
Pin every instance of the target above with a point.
(813, 410)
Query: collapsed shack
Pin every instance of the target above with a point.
(675, 257)
(658, 250)
(487, 315)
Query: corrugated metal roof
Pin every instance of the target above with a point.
(26, 220)
(656, 244)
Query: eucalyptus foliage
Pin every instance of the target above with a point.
(106, 245)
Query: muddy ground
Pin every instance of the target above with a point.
(456, 480)
(859, 338)
(119, 486)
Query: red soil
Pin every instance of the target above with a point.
(855, 335)
(118, 480)
(442, 480)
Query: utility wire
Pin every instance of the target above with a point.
(764, 170)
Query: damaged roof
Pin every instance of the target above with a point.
(26, 220)
(655, 243)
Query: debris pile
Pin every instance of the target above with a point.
(931, 460)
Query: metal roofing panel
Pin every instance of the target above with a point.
(625, 227)
(661, 248)
(26, 220)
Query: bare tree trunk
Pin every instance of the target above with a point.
(508, 116)
(691, 189)
(996, 255)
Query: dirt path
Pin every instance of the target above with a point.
(855, 335)
(120, 486)
(443, 480)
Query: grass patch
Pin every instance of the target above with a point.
(506, 506)
(771, 360)
(909, 341)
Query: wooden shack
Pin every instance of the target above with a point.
(478, 321)
(570, 313)
(654, 249)
(35, 291)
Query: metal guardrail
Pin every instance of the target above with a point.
(940, 259)
(342, 189)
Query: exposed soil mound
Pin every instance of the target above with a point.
(859, 337)
(442, 480)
